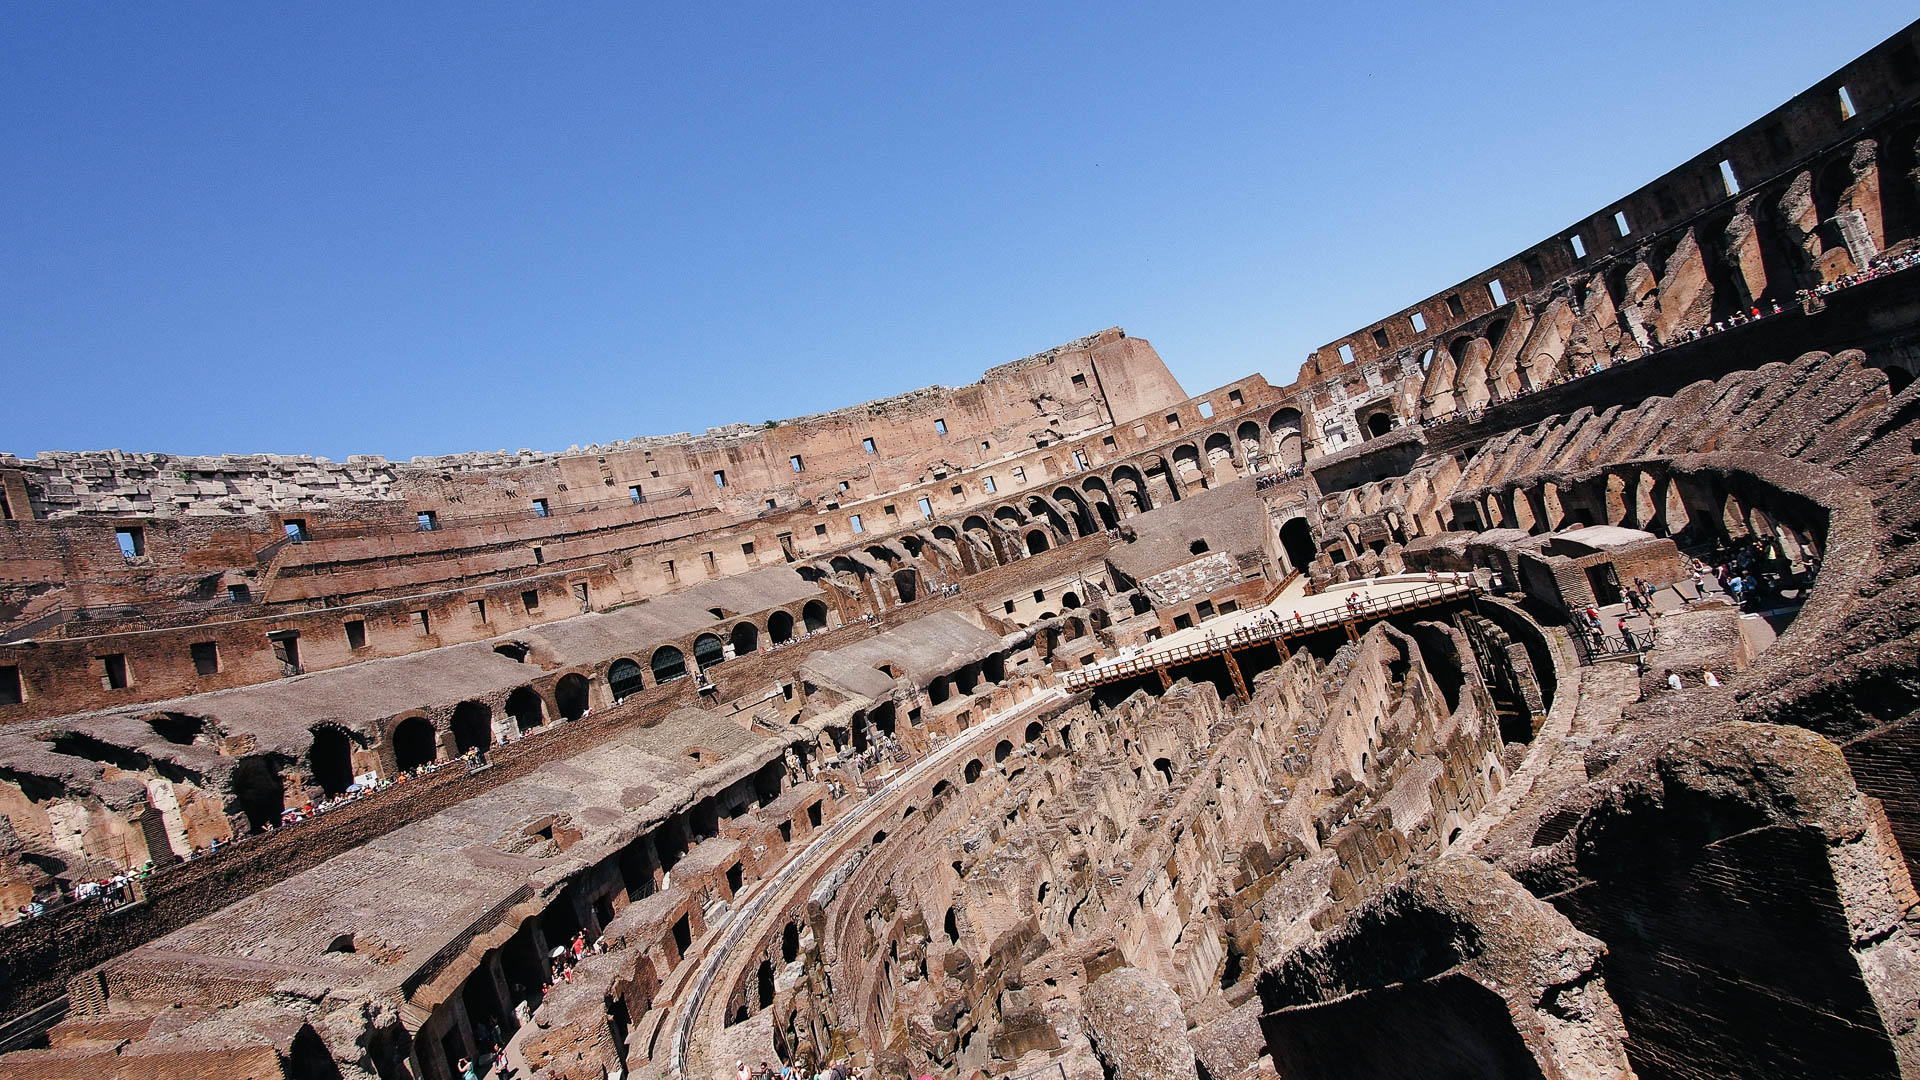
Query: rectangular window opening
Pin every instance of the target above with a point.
(1234, 396)
(113, 671)
(1173, 421)
(987, 483)
(1455, 308)
(1019, 474)
(422, 622)
(1379, 338)
(1727, 179)
(798, 465)
(1346, 354)
(636, 495)
(478, 608)
(239, 594)
(296, 530)
(133, 541)
(206, 657)
(819, 530)
(858, 525)
(11, 691)
(940, 426)
(672, 571)
(719, 478)
(539, 555)
(1579, 246)
(356, 633)
(530, 600)
(428, 520)
(1080, 381)
(1620, 223)
(1206, 410)
(1419, 322)
(1008, 605)
(1497, 291)
(1847, 111)
(867, 445)
(926, 509)
(539, 508)
(985, 446)
(746, 548)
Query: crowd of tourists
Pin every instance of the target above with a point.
(108, 892)
(1877, 267)
(799, 1070)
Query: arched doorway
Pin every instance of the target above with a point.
(413, 743)
(472, 726)
(668, 664)
(257, 788)
(570, 696)
(1289, 451)
(707, 651)
(814, 616)
(526, 708)
(1036, 541)
(745, 638)
(624, 678)
(780, 628)
(1296, 538)
(906, 583)
(330, 759)
(1379, 424)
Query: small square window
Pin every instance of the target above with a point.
(988, 485)
(539, 555)
(206, 657)
(1009, 607)
(746, 548)
(940, 426)
(707, 558)
(428, 520)
(539, 508)
(1346, 354)
(798, 465)
(530, 600)
(1173, 421)
(635, 494)
(1232, 395)
(296, 530)
(239, 594)
(1455, 308)
(772, 504)
(1079, 381)
(819, 530)
(11, 691)
(356, 633)
(1379, 338)
(720, 478)
(1206, 410)
(1419, 322)
(1039, 596)
(1107, 442)
(956, 490)
(891, 512)
(858, 525)
(113, 671)
(985, 446)
(133, 541)
(422, 623)
(843, 485)
(867, 445)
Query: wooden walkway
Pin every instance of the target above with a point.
(1271, 629)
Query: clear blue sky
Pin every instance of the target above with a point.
(409, 229)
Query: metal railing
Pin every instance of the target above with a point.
(1269, 629)
(1594, 648)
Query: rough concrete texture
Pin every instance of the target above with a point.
(1137, 1026)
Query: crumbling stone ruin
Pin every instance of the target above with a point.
(1528, 690)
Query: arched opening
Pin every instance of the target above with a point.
(707, 651)
(937, 690)
(966, 679)
(1165, 769)
(994, 668)
(515, 651)
(257, 788)
(624, 678)
(790, 943)
(1296, 538)
(780, 627)
(330, 760)
(941, 788)
(526, 708)
(177, 728)
(1898, 379)
(814, 616)
(952, 928)
(668, 664)
(1379, 424)
(570, 696)
(745, 638)
(1248, 434)
(1070, 600)
(906, 583)
(1002, 751)
(1036, 542)
(1140, 604)
(765, 984)
(472, 726)
(973, 770)
(1035, 732)
(413, 744)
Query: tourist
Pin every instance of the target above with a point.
(1673, 680)
(1710, 678)
(1626, 635)
(740, 1071)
